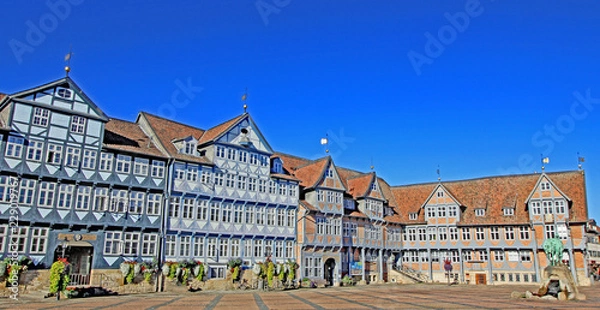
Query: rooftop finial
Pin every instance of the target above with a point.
(439, 174)
(545, 161)
(325, 141)
(244, 98)
(68, 60)
(580, 159)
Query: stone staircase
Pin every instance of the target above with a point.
(415, 275)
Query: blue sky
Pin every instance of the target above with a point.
(479, 88)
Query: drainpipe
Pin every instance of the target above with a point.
(536, 262)
(163, 226)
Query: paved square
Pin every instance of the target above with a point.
(389, 296)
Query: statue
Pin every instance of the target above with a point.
(554, 249)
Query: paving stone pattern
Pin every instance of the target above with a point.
(422, 296)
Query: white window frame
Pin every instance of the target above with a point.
(82, 200)
(14, 147)
(65, 196)
(46, 194)
(73, 156)
(78, 124)
(39, 240)
(35, 150)
(131, 243)
(140, 166)
(40, 117)
(89, 159)
(113, 244)
(158, 168)
(101, 199)
(123, 163)
(149, 244)
(106, 161)
(154, 204)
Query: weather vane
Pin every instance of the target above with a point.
(244, 98)
(580, 159)
(68, 60)
(545, 161)
(325, 141)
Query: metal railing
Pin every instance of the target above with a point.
(79, 279)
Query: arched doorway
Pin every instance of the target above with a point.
(329, 271)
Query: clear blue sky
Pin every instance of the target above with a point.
(479, 88)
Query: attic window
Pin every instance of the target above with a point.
(244, 131)
(64, 93)
(189, 148)
(329, 173)
(509, 211)
(545, 186)
(374, 186)
(440, 194)
(412, 216)
(479, 212)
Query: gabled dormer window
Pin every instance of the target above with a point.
(189, 147)
(374, 186)
(509, 211)
(412, 216)
(480, 212)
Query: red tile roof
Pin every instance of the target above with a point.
(127, 136)
(284, 176)
(308, 172)
(167, 131)
(358, 186)
(493, 194)
(218, 130)
(308, 206)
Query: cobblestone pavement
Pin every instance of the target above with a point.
(361, 297)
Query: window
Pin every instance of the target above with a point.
(273, 187)
(468, 254)
(65, 195)
(509, 233)
(412, 216)
(179, 172)
(234, 247)
(536, 208)
(205, 177)
(19, 238)
(220, 152)
(545, 186)
(131, 243)
(217, 272)
(442, 211)
(34, 151)
(3, 234)
(479, 212)
(136, 202)
(230, 180)
(562, 231)
(149, 244)
(231, 154)
(479, 233)
(329, 173)
(40, 116)
(158, 169)
(494, 233)
(73, 157)
(262, 186)
(112, 243)
(280, 217)
(226, 209)
(106, 161)
(83, 198)
(140, 166)
(550, 231)
(101, 199)
(214, 212)
(243, 156)
(526, 256)
(440, 194)
(89, 159)
(293, 187)
(466, 233)
(189, 147)
(320, 195)
(453, 233)
(283, 189)
(26, 190)
(509, 211)
(46, 194)
(170, 245)
(258, 249)
(547, 207)
(260, 215)
(270, 216)
(6, 187)
(524, 232)
(14, 147)
(64, 93)
(452, 211)
(192, 173)
(123, 163)
(174, 207)
(118, 201)
(291, 218)
(77, 124)
(431, 233)
(268, 247)
(154, 204)
(312, 267)
(241, 184)
(202, 210)
(219, 178)
(499, 255)
(249, 214)
(289, 249)
(430, 212)
(560, 206)
(185, 244)
(198, 246)
(238, 213)
(442, 233)
(39, 240)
